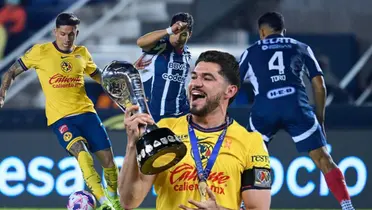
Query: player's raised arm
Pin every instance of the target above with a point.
(7, 79)
(256, 178)
(315, 74)
(149, 40)
(133, 185)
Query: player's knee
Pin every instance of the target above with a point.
(107, 159)
(77, 147)
(326, 163)
(322, 159)
(109, 163)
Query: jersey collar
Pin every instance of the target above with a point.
(210, 130)
(274, 36)
(180, 51)
(62, 51)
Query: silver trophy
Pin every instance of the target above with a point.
(158, 149)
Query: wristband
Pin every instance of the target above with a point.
(169, 31)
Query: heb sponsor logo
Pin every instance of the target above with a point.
(61, 81)
(184, 178)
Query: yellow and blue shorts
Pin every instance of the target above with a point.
(85, 127)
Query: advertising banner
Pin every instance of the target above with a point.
(36, 172)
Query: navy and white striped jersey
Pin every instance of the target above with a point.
(164, 79)
(275, 67)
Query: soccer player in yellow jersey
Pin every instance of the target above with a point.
(233, 162)
(61, 66)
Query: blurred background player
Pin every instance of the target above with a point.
(165, 66)
(213, 86)
(13, 19)
(60, 66)
(275, 66)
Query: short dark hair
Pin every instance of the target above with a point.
(184, 17)
(228, 63)
(273, 19)
(67, 19)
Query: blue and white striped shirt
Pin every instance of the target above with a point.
(165, 78)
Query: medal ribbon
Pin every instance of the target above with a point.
(203, 174)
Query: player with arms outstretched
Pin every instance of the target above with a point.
(274, 66)
(224, 160)
(60, 66)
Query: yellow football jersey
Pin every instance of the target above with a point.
(240, 151)
(61, 75)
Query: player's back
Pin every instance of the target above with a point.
(275, 67)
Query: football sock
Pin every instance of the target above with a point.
(336, 184)
(111, 177)
(91, 176)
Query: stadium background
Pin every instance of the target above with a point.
(35, 172)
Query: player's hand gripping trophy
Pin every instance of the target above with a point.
(158, 148)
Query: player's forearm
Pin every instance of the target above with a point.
(131, 189)
(320, 101)
(150, 39)
(6, 81)
(8, 77)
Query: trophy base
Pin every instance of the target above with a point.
(163, 160)
(160, 162)
(159, 150)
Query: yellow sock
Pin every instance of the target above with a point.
(111, 177)
(91, 176)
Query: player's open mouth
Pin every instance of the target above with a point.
(196, 95)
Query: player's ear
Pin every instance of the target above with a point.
(231, 91)
(262, 33)
(77, 33)
(284, 32)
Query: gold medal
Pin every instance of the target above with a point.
(203, 190)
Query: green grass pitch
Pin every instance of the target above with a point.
(144, 209)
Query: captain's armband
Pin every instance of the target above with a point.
(256, 178)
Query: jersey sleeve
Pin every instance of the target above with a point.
(91, 68)
(160, 46)
(243, 66)
(31, 58)
(164, 123)
(257, 173)
(170, 123)
(312, 65)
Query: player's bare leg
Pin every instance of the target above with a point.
(110, 172)
(91, 177)
(333, 176)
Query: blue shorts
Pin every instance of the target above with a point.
(86, 127)
(302, 125)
